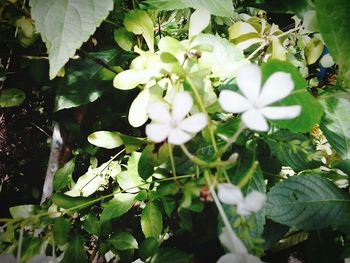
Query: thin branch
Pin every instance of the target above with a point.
(83, 53)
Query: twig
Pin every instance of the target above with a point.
(40, 129)
(83, 53)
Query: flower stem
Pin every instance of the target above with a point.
(249, 175)
(19, 249)
(202, 109)
(290, 31)
(172, 162)
(230, 141)
(262, 46)
(236, 242)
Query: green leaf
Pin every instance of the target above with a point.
(61, 230)
(82, 83)
(11, 98)
(215, 7)
(335, 124)
(105, 139)
(148, 247)
(140, 23)
(171, 255)
(294, 150)
(21, 211)
(119, 205)
(123, 241)
(31, 246)
(311, 109)
(71, 23)
(67, 202)
(199, 20)
(152, 156)
(92, 225)
(123, 38)
(75, 251)
(129, 180)
(332, 17)
(307, 201)
(151, 221)
(63, 175)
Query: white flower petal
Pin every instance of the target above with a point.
(281, 112)
(230, 194)
(254, 120)
(250, 259)
(278, 86)
(228, 258)
(178, 136)
(254, 201)
(249, 81)
(157, 132)
(182, 105)
(233, 102)
(159, 112)
(230, 241)
(195, 123)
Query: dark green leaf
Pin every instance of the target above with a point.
(11, 98)
(335, 124)
(63, 175)
(343, 165)
(92, 225)
(307, 201)
(294, 150)
(61, 230)
(273, 232)
(65, 201)
(148, 247)
(75, 251)
(119, 205)
(151, 221)
(123, 241)
(82, 84)
(31, 246)
(171, 255)
(332, 17)
(311, 110)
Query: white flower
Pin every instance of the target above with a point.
(254, 103)
(174, 126)
(232, 195)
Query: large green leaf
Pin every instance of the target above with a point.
(298, 7)
(332, 17)
(311, 109)
(61, 230)
(119, 205)
(307, 201)
(294, 150)
(123, 241)
(11, 98)
(65, 25)
(335, 124)
(215, 7)
(82, 83)
(151, 221)
(75, 251)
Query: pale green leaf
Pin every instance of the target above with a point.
(199, 20)
(151, 221)
(21, 211)
(138, 109)
(123, 38)
(119, 205)
(215, 7)
(140, 23)
(70, 24)
(313, 50)
(63, 175)
(105, 139)
(335, 124)
(11, 98)
(332, 16)
(307, 201)
(123, 241)
(131, 78)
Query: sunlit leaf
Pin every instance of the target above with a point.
(71, 23)
(119, 205)
(123, 241)
(105, 139)
(11, 98)
(123, 38)
(151, 221)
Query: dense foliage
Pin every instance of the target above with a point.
(193, 131)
